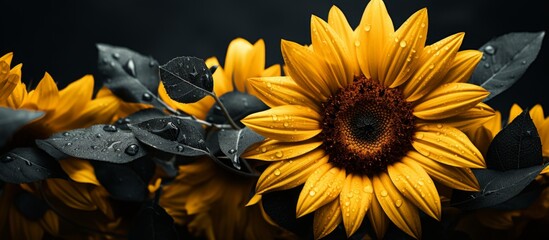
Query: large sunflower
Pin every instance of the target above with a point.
(208, 199)
(366, 118)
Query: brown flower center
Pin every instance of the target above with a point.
(367, 126)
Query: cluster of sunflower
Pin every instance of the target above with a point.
(366, 133)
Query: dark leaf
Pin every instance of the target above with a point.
(281, 205)
(225, 161)
(518, 145)
(32, 207)
(495, 187)
(129, 75)
(11, 120)
(122, 181)
(167, 165)
(140, 116)
(238, 104)
(186, 79)
(523, 200)
(23, 165)
(234, 142)
(152, 223)
(505, 59)
(172, 135)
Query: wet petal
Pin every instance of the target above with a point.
(378, 218)
(401, 212)
(290, 173)
(514, 112)
(374, 32)
(341, 26)
(276, 91)
(454, 177)
(416, 185)
(74, 195)
(97, 111)
(198, 109)
(273, 150)
(251, 65)
(463, 66)
(235, 60)
(326, 219)
(7, 58)
(449, 100)
(494, 124)
(447, 145)
(322, 187)
(355, 199)
(75, 97)
(470, 119)
(481, 137)
(46, 94)
(436, 60)
(19, 92)
(401, 56)
(333, 51)
(307, 69)
(7, 82)
(536, 113)
(291, 123)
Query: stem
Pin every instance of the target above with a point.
(225, 112)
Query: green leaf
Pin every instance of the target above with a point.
(505, 59)
(187, 79)
(11, 120)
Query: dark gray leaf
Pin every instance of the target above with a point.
(11, 120)
(238, 104)
(122, 181)
(99, 142)
(24, 165)
(523, 200)
(495, 187)
(186, 79)
(172, 135)
(140, 116)
(32, 207)
(518, 145)
(234, 142)
(130, 75)
(505, 59)
(152, 223)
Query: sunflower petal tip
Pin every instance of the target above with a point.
(254, 200)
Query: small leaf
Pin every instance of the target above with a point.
(518, 145)
(24, 165)
(129, 75)
(281, 205)
(152, 223)
(505, 59)
(140, 116)
(523, 200)
(32, 207)
(234, 142)
(11, 120)
(126, 182)
(187, 79)
(99, 142)
(495, 187)
(238, 104)
(172, 135)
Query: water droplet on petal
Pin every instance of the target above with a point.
(383, 193)
(277, 172)
(439, 125)
(132, 150)
(368, 189)
(431, 66)
(403, 43)
(367, 28)
(279, 154)
(264, 149)
(490, 49)
(312, 193)
(398, 203)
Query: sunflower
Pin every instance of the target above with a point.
(208, 199)
(366, 118)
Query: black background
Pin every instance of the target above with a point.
(59, 36)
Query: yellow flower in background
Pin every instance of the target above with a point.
(540, 121)
(366, 118)
(243, 61)
(206, 198)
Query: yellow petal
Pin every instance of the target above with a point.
(8, 81)
(454, 177)
(99, 110)
(472, 118)
(75, 98)
(19, 92)
(494, 124)
(545, 170)
(447, 145)
(272, 71)
(481, 137)
(79, 170)
(514, 112)
(378, 218)
(307, 69)
(463, 66)
(341, 26)
(291, 123)
(74, 195)
(416, 185)
(273, 150)
(7, 58)
(436, 60)
(355, 199)
(402, 55)
(50, 222)
(322, 187)
(276, 91)
(374, 33)
(449, 100)
(333, 51)
(401, 212)
(536, 113)
(544, 135)
(235, 60)
(290, 173)
(326, 219)
(252, 65)
(46, 94)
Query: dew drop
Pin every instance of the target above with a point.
(264, 149)
(180, 148)
(357, 43)
(383, 193)
(486, 65)
(132, 150)
(68, 144)
(147, 97)
(367, 28)
(94, 147)
(312, 193)
(275, 118)
(523, 62)
(7, 159)
(98, 135)
(422, 25)
(277, 172)
(439, 125)
(110, 128)
(66, 134)
(130, 68)
(116, 55)
(368, 189)
(347, 203)
(431, 66)
(398, 203)
(402, 43)
(421, 183)
(232, 151)
(286, 124)
(279, 154)
(490, 49)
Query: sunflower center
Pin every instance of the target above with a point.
(367, 126)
